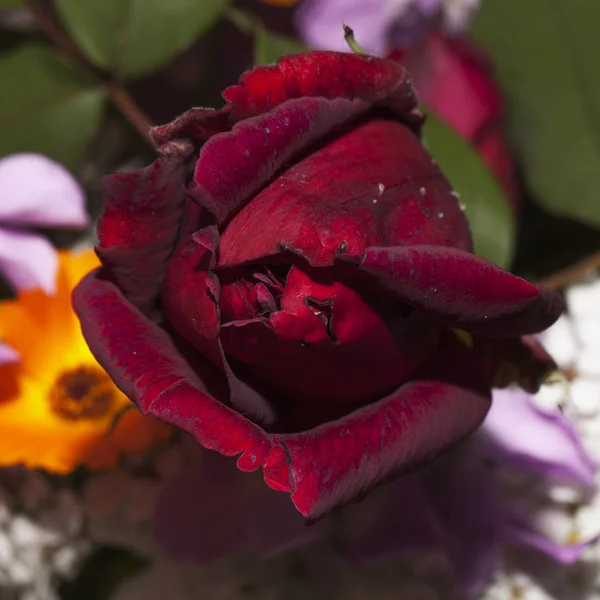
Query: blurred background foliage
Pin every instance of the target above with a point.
(82, 80)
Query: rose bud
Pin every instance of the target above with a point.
(454, 79)
(292, 282)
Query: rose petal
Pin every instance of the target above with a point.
(143, 361)
(40, 192)
(233, 166)
(27, 260)
(334, 463)
(462, 290)
(196, 124)
(316, 350)
(140, 223)
(330, 75)
(184, 293)
(518, 433)
(374, 185)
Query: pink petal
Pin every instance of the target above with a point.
(320, 23)
(7, 354)
(38, 191)
(27, 260)
(518, 433)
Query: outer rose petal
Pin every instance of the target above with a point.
(328, 75)
(143, 361)
(462, 290)
(324, 467)
(27, 260)
(40, 192)
(334, 464)
(233, 166)
(140, 223)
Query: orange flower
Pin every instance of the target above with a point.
(58, 407)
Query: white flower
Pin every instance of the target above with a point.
(40, 537)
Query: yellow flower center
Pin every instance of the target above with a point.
(82, 393)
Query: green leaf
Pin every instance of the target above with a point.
(7, 4)
(487, 210)
(546, 55)
(269, 47)
(46, 106)
(130, 38)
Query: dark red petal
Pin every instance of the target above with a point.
(187, 303)
(196, 124)
(143, 361)
(140, 222)
(462, 290)
(334, 464)
(329, 349)
(328, 75)
(233, 166)
(372, 186)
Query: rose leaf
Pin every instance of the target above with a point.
(546, 56)
(130, 38)
(487, 210)
(46, 106)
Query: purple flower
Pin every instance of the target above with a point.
(379, 24)
(35, 192)
(456, 506)
(7, 354)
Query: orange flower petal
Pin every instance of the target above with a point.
(37, 432)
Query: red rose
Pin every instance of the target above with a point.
(454, 78)
(283, 283)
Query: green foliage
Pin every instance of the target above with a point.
(130, 38)
(487, 210)
(546, 54)
(6, 4)
(46, 106)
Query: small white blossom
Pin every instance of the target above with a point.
(40, 537)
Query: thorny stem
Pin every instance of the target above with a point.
(117, 94)
(572, 273)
